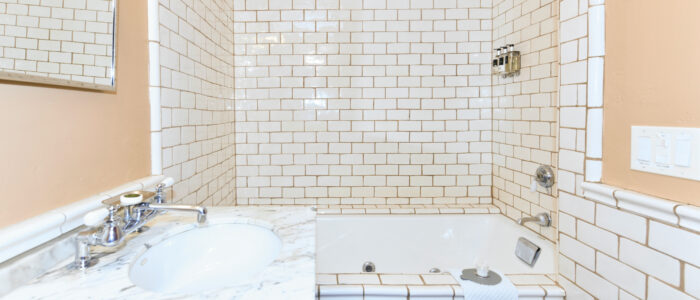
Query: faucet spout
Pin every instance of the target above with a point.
(541, 219)
(522, 221)
(200, 210)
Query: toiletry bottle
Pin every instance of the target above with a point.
(507, 60)
(494, 66)
(501, 60)
(514, 59)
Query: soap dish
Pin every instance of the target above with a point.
(470, 274)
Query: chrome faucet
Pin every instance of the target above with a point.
(200, 210)
(135, 210)
(541, 219)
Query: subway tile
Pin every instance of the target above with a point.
(626, 296)
(575, 72)
(594, 284)
(400, 279)
(568, 9)
(675, 242)
(595, 81)
(358, 279)
(573, 292)
(659, 290)
(621, 275)
(596, 34)
(650, 261)
(599, 239)
(530, 292)
(574, 28)
(430, 292)
(382, 292)
(621, 223)
(341, 292)
(323, 279)
(692, 277)
(438, 279)
(530, 280)
(573, 117)
(578, 207)
(567, 268)
(594, 170)
(577, 251)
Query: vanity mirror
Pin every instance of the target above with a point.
(59, 42)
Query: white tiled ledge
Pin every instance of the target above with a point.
(434, 286)
(21, 237)
(407, 209)
(683, 215)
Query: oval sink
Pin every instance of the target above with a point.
(206, 258)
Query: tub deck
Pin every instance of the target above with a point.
(407, 209)
(440, 286)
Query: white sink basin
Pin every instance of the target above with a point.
(206, 258)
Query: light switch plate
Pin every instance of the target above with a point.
(671, 151)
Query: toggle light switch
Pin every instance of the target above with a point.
(644, 148)
(662, 150)
(683, 151)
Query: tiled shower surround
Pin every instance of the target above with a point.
(363, 102)
(389, 106)
(195, 47)
(525, 109)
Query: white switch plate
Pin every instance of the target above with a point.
(671, 151)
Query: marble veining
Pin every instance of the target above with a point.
(22, 269)
(290, 276)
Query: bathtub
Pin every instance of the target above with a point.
(411, 255)
(418, 243)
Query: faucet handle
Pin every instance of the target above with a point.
(168, 181)
(160, 193)
(95, 217)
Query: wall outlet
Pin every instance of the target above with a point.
(671, 151)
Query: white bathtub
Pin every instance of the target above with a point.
(417, 243)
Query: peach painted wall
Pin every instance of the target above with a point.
(648, 83)
(60, 145)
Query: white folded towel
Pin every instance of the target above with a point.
(504, 290)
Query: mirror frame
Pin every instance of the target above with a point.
(41, 80)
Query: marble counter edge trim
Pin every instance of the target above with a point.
(21, 237)
(684, 215)
(22, 269)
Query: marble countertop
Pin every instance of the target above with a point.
(290, 276)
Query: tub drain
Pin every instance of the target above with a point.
(368, 267)
(434, 270)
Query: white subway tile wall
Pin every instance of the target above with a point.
(616, 253)
(196, 95)
(63, 39)
(385, 106)
(612, 244)
(376, 102)
(525, 109)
